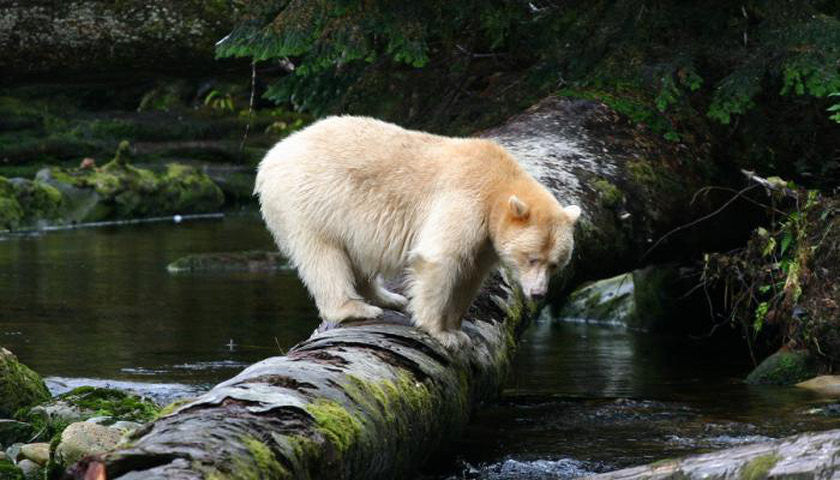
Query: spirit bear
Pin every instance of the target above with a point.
(350, 200)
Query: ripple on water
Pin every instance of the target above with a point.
(160, 393)
(564, 468)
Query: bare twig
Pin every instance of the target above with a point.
(699, 220)
(250, 104)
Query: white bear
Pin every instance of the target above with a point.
(351, 200)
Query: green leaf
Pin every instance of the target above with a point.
(786, 239)
(760, 315)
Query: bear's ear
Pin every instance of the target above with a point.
(518, 208)
(573, 211)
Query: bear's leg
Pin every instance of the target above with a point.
(431, 289)
(327, 274)
(464, 293)
(374, 290)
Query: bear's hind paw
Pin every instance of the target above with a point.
(452, 339)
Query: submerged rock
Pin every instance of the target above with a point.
(785, 367)
(81, 439)
(250, 261)
(19, 386)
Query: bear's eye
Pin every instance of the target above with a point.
(552, 266)
(534, 262)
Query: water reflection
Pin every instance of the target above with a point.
(99, 303)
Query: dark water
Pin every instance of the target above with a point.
(98, 303)
(97, 306)
(583, 399)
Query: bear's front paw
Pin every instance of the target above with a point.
(452, 339)
(351, 310)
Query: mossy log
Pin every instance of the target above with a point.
(809, 455)
(374, 399)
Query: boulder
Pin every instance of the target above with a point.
(826, 385)
(785, 367)
(29, 469)
(19, 386)
(643, 300)
(82, 438)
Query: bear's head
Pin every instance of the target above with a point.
(534, 237)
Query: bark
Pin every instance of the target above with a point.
(374, 399)
(809, 455)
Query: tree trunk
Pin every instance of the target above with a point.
(808, 455)
(373, 399)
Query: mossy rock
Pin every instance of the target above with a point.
(120, 190)
(38, 200)
(188, 189)
(784, 367)
(11, 213)
(20, 387)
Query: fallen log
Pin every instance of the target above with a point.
(373, 399)
(808, 455)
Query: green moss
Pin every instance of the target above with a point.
(20, 387)
(627, 100)
(169, 409)
(112, 403)
(187, 187)
(641, 172)
(38, 200)
(129, 192)
(783, 368)
(415, 393)
(303, 447)
(608, 194)
(267, 465)
(338, 425)
(364, 393)
(759, 467)
(10, 214)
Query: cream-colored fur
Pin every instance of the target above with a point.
(351, 200)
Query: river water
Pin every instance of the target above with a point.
(97, 306)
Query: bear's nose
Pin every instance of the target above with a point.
(537, 294)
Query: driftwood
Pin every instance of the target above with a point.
(374, 399)
(809, 455)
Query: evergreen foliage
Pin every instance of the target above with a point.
(742, 48)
